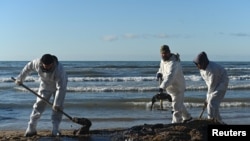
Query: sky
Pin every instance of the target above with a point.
(124, 30)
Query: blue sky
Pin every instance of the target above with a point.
(124, 30)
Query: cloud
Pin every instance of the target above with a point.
(110, 38)
(240, 34)
(162, 35)
(130, 36)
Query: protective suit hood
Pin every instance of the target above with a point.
(202, 60)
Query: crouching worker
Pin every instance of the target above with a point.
(217, 80)
(53, 83)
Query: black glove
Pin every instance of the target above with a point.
(56, 108)
(18, 82)
(160, 90)
(159, 76)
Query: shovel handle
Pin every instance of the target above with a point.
(203, 109)
(33, 92)
(81, 121)
(45, 100)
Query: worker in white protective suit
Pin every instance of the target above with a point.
(217, 80)
(53, 83)
(170, 72)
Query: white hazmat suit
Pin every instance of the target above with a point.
(174, 82)
(53, 83)
(217, 80)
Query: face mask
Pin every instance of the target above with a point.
(166, 56)
(46, 69)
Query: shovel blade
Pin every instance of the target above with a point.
(82, 121)
(86, 123)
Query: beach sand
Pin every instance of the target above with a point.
(195, 130)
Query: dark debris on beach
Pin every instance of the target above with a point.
(195, 130)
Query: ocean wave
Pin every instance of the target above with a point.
(101, 104)
(188, 78)
(127, 89)
(126, 84)
(110, 79)
(143, 89)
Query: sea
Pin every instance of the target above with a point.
(117, 94)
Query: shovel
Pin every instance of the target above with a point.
(86, 123)
(203, 109)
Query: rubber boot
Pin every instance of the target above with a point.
(34, 117)
(30, 131)
(55, 130)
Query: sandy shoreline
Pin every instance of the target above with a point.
(45, 135)
(194, 130)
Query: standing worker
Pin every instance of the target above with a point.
(170, 72)
(216, 79)
(53, 82)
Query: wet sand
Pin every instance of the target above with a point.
(195, 130)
